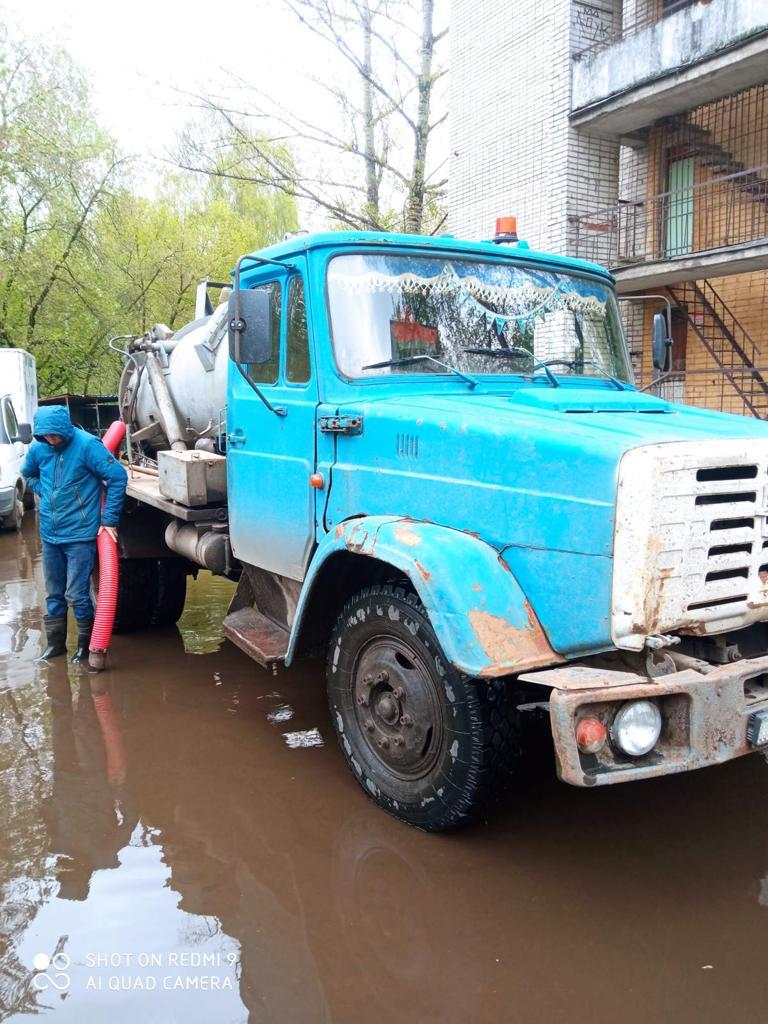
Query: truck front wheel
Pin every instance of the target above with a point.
(428, 744)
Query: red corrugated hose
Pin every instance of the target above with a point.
(106, 603)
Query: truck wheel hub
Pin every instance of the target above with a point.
(397, 707)
(388, 709)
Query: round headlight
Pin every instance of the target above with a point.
(636, 727)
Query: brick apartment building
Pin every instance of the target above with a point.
(633, 133)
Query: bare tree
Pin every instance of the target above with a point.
(378, 178)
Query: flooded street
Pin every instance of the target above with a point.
(181, 839)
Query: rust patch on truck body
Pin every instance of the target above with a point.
(512, 648)
(705, 717)
(408, 536)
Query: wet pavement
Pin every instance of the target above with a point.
(180, 840)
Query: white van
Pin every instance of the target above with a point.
(14, 439)
(18, 378)
(18, 405)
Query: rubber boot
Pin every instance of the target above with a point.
(56, 635)
(84, 627)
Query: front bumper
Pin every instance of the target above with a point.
(7, 497)
(705, 718)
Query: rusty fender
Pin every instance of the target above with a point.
(482, 619)
(704, 717)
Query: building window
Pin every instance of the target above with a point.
(671, 6)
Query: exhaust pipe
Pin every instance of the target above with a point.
(209, 549)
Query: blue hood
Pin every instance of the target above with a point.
(53, 419)
(532, 471)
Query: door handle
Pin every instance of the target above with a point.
(235, 439)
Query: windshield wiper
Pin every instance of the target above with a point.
(407, 360)
(515, 353)
(574, 363)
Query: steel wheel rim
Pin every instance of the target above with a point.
(397, 707)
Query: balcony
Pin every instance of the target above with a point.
(715, 228)
(698, 53)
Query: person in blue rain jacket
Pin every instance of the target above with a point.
(68, 469)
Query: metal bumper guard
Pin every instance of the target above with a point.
(705, 717)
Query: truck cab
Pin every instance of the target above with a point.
(440, 476)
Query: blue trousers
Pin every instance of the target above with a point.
(67, 569)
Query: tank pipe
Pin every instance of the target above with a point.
(106, 604)
(124, 352)
(137, 369)
(165, 407)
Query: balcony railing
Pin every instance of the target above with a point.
(648, 13)
(709, 389)
(726, 211)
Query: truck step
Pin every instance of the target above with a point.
(260, 637)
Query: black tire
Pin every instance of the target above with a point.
(170, 592)
(150, 592)
(427, 744)
(134, 595)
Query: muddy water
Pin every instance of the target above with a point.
(182, 837)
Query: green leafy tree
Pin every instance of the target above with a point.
(82, 255)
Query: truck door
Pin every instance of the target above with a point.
(271, 458)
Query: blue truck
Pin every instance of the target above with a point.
(425, 460)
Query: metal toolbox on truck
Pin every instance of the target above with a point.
(193, 478)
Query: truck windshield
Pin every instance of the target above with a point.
(475, 317)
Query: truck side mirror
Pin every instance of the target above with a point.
(25, 433)
(254, 326)
(662, 343)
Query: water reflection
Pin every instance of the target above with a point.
(158, 811)
(21, 587)
(200, 625)
(87, 811)
(104, 858)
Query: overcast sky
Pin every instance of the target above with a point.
(142, 58)
(135, 51)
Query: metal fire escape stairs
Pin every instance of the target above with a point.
(725, 340)
(721, 334)
(699, 144)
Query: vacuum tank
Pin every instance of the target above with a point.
(172, 399)
(173, 387)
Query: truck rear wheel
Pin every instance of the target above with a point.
(426, 743)
(150, 592)
(169, 592)
(134, 595)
